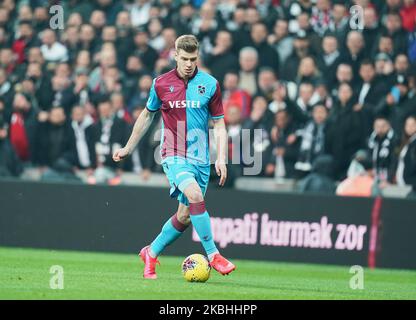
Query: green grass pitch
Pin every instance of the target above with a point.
(25, 274)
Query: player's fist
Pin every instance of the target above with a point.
(121, 154)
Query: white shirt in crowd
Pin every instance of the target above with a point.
(81, 142)
(57, 52)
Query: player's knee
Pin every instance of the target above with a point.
(183, 217)
(195, 196)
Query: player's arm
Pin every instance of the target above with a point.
(221, 137)
(140, 127)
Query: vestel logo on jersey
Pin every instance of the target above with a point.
(184, 104)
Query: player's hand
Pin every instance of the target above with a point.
(121, 154)
(221, 170)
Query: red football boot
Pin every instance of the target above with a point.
(149, 271)
(221, 264)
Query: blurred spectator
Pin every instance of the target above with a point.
(182, 20)
(147, 54)
(346, 133)
(52, 50)
(7, 60)
(120, 110)
(354, 53)
(108, 134)
(22, 128)
(394, 29)
(281, 40)
(267, 56)
(370, 88)
(6, 89)
(233, 95)
(307, 71)
(330, 59)
(320, 179)
(259, 124)
(321, 18)
(81, 124)
(341, 20)
(83, 8)
(10, 165)
(371, 31)
(408, 15)
(301, 45)
(344, 74)
(398, 103)
(139, 12)
(54, 142)
(221, 59)
(142, 92)
(97, 20)
(312, 139)
(381, 145)
(155, 29)
(25, 40)
(110, 8)
(87, 38)
(134, 70)
(248, 69)
(41, 18)
(361, 182)
(266, 81)
(285, 147)
(406, 168)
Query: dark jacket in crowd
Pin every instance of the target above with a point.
(291, 150)
(398, 112)
(409, 173)
(346, 135)
(10, 165)
(53, 143)
(320, 180)
(220, 64)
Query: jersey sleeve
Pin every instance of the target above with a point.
(216, 109)
(153, 102)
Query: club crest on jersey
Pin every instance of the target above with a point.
(201, 89)
(171, 88)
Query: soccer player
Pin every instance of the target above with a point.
(187, 98)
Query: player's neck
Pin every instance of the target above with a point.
(183, 77)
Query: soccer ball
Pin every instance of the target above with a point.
(196, 268)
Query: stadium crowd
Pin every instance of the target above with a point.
(331, 97)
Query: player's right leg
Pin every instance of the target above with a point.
(202, 224)
(171, 230)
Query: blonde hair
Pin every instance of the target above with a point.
(187, 42)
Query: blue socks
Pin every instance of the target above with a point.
(202, 224)
(171, 231)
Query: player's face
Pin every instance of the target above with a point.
(186, 62)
